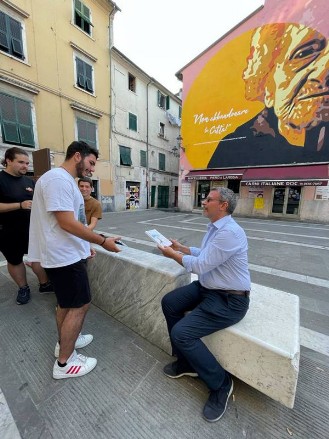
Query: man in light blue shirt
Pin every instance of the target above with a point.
(219, 299)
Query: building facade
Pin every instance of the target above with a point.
(55, 79)
(256, 114)
(145, 126)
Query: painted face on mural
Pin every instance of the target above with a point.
(288, 69)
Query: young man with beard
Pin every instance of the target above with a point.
(60, 240)
(219, 299)
(16, 193)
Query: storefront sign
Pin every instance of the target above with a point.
(284, 183)
(322, 193)
(214, 177)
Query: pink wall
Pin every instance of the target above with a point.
(312, 13)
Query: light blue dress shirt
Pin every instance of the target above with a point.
(222, 260)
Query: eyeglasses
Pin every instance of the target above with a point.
(209, 199)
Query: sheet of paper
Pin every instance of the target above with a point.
(158, 237)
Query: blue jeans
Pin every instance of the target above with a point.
(210, 311)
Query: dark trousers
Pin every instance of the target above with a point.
(210, 312)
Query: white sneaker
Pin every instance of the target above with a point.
(81, 342)
(76, 366)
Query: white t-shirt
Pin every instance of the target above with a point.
(49, 244)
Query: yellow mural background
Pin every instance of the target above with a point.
(218, 88)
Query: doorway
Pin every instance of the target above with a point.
(163, 196)
(202, 192)
(286, 200)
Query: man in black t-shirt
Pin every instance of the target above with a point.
(16, 193)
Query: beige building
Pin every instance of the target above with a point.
(55, 78)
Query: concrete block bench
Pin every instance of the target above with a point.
(262, 350)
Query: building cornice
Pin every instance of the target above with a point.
(19, 84)
(15, 8)
(79, 49)
(85, 109)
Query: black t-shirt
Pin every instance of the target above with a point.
(15, 190)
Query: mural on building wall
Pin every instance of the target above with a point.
(262, 99)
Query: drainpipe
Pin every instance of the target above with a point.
(147, 146)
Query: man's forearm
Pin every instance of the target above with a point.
(8, 207)
(73, 226)
(178, 257)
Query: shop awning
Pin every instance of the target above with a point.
(215, 174)
(311, 175)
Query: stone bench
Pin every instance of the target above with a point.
(262, 350)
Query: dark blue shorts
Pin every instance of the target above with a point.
(71, 284)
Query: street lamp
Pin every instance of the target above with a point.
(175, 150)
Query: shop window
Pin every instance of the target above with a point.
(162, 162)
(131, 82)
(132, 122)
(132, 196)
(234, 185)
(16, 121)
(82, 16)
(87, 132)
(143, 161)
(11, 40)
(125, 156)
(84, 75)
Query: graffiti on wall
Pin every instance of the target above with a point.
(262, 99)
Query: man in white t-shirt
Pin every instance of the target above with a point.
(60, 241)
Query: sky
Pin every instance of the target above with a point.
(162, 36)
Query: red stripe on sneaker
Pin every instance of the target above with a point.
(73, 370)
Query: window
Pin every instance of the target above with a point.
(180, 112)
(84, 75)
(87, 132)
(125, 156)
(162, 162)
(16, 121)
(163, 101)
(132, 122)
(143, 159)
(131, 82)
(162, 129)
(11, 36)
(82, 16)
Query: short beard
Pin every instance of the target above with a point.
(80, 167)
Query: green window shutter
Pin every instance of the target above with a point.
(167, 102)
(180, 112)
(84, 75)
(4, 44)
(82, 16)
(80, 74)
(143, 158)
(16, 38)
(16, 121)
(132, 122)
(89, 77)
(11, 36)
(78, 6)
(125, 156)
(87, 132)
(24, 120)
(86, 14)
(162, 162)
(8, 119)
